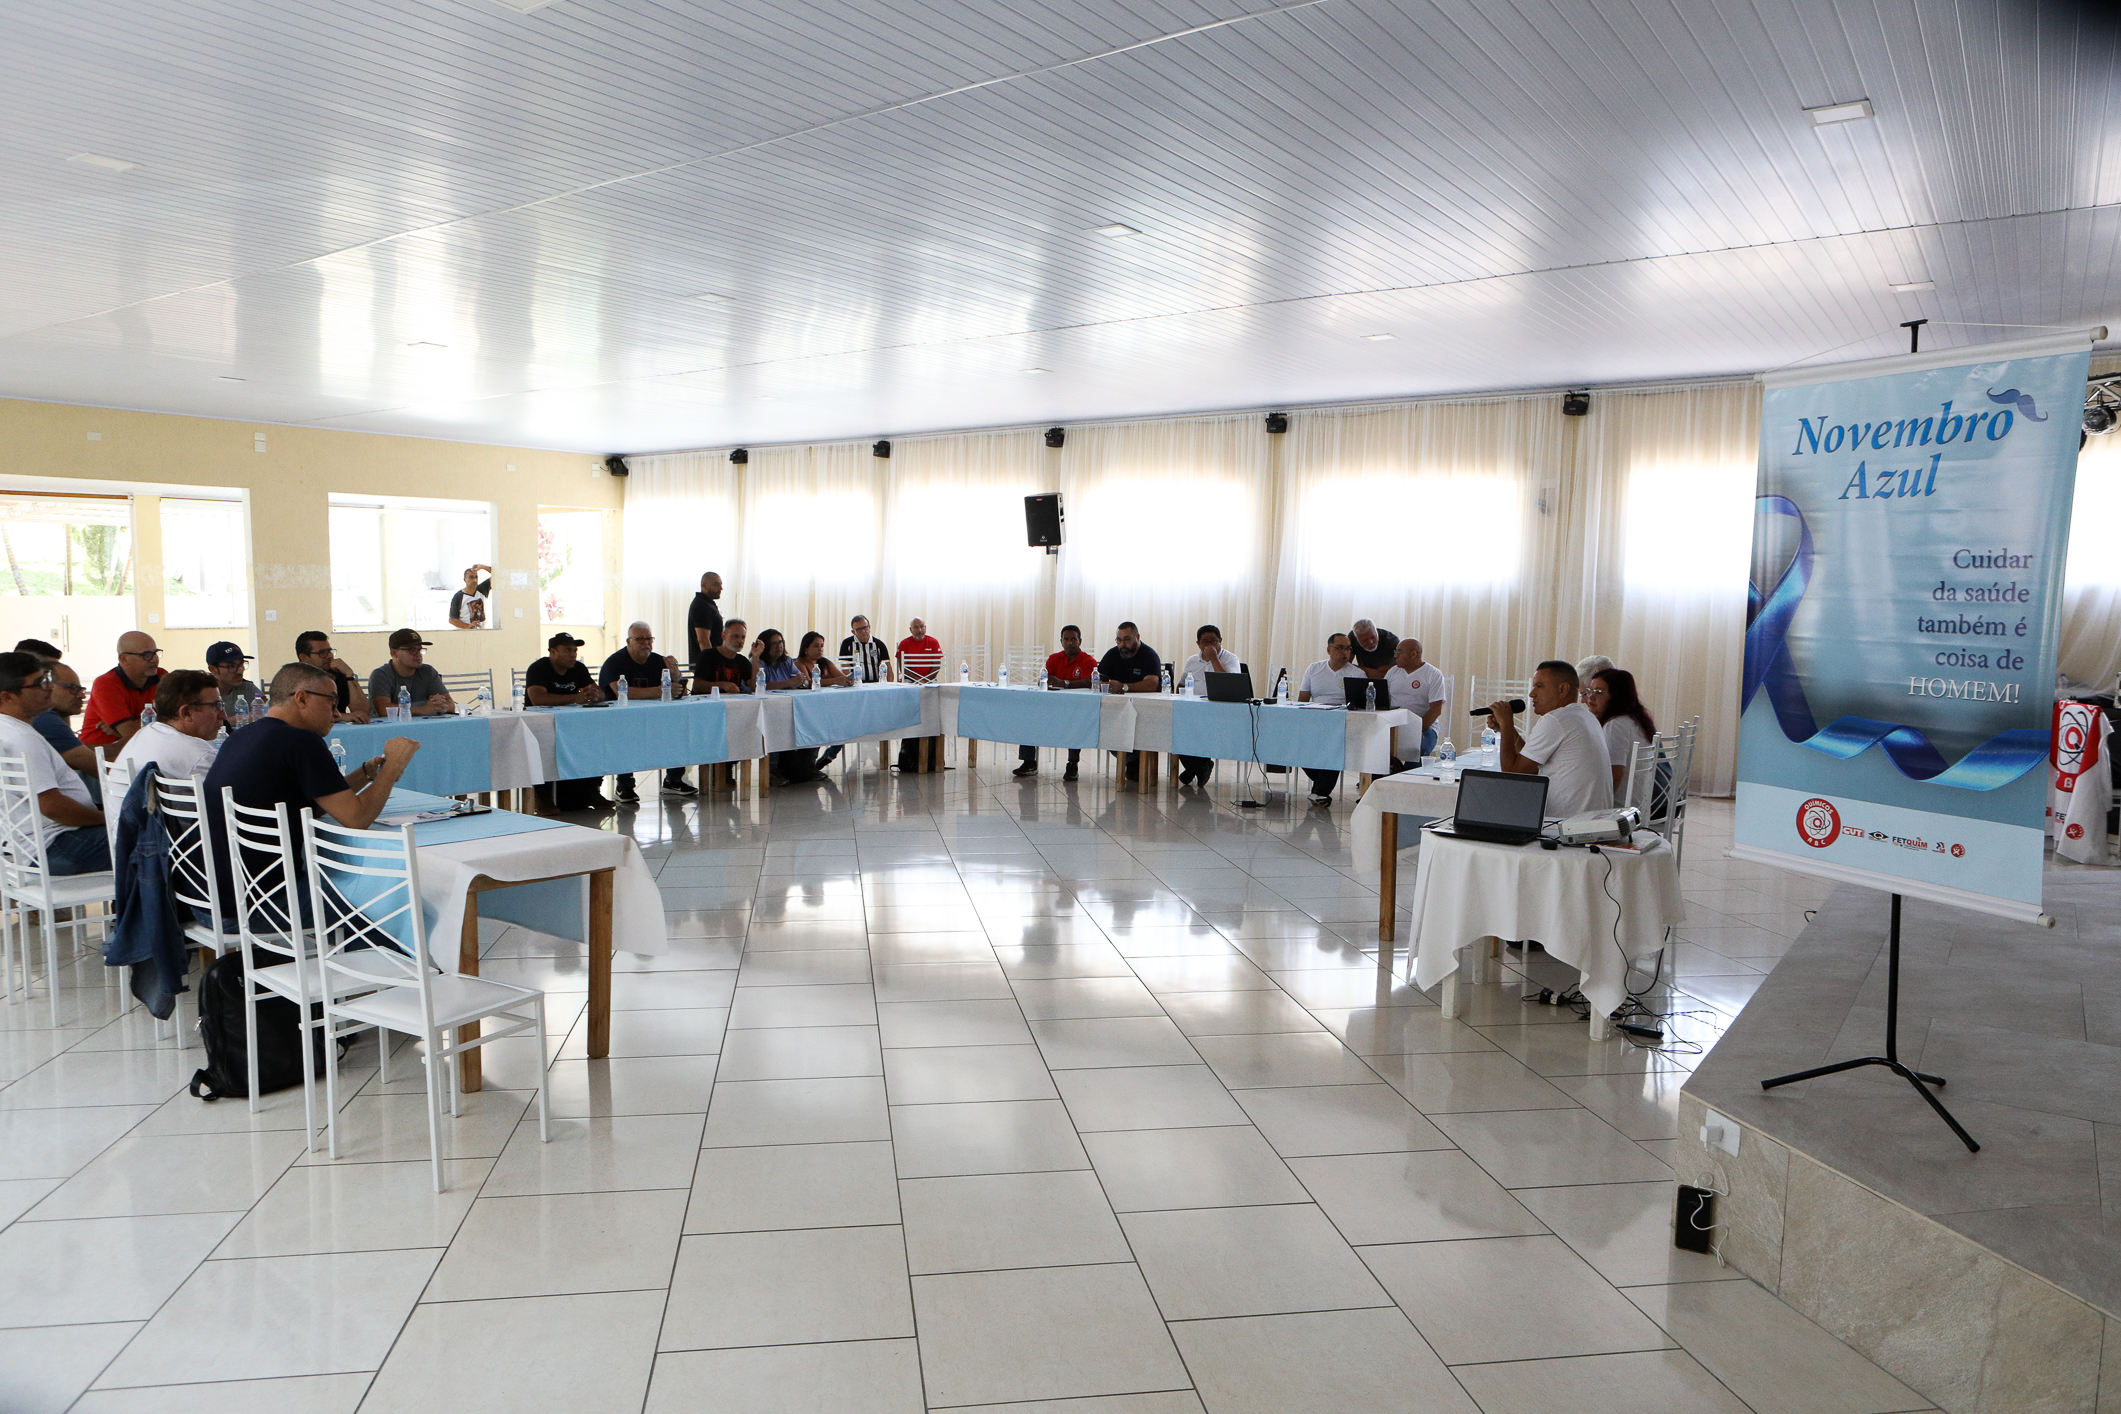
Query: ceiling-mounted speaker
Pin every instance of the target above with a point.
(1055, 436)
(740, 456)
(615, 465)
(881, 449)
(1042, 521)
(1277, 422)
(1575, 404)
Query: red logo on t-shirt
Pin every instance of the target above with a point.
(2075, 832)
(1818, 823)
(1958, 851)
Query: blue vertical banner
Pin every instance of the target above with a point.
(1909, 537)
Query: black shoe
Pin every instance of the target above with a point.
(1028, 768)
(628, 796)
(1069, 774)
(1185, 777)
(680, 786)
(831, 755)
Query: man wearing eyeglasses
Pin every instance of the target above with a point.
(114, 702)
(74, 839)
(180, 741)
(314, 648)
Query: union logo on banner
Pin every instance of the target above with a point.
(1818, 823)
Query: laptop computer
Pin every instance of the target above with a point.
(1229, 687)
(1501, 807)
(1358, 690)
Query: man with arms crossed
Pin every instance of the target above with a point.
(1068, 669)
(1566, 744)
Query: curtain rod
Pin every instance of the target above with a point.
(1357, 405)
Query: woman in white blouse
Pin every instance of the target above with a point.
(1610, 694)
(1211, 657)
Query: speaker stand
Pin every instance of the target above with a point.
(1891, 1059)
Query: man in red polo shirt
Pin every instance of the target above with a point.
(114, 702)
(1071, 667)
(920, 659)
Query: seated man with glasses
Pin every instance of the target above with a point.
(74, 837)
(180, 741)
(115, 700)
(314, 648)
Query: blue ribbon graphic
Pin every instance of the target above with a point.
(2001, 759)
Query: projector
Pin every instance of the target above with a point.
(1601, 826)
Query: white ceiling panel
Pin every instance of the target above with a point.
(448, 218)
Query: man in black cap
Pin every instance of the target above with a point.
(408, 669)
(562, 679)
(225, 661)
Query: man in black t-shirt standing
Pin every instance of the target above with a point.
(281, 758)
(703, 621)
(561, 679)
(636, 672)
(1131, 666)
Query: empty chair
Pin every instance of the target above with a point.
(515, 685)
(1024, 661)
(371, 932)
(960, 656)
(463, 687)
(28, 889)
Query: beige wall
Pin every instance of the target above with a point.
(287, 485)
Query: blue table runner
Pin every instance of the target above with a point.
(843, 714)
(455, 755)
(1285, 736)
(638, 736)
(1028, 717)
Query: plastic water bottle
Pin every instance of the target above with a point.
(147, 715)
(482, 705)
(259, 706)
(964, 671)
(1281, 689)
(338, 754)
(1188, 691)
(817, 677)
(1370, 694)
(515, 699)
(404, 703)
(666, 684)
(1446, 754)
(1097, 683)
(236, 712)
(1491, 748)
(1043, 680)
(1002, 678)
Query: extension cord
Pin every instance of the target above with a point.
(1647, 1033)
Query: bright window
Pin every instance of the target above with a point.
(1162, 531)
(2092, 560)
(1689, 527)
(828, 538)
(983, 528)
(397, 560)
(205, 564)
(67, 546)
(571, 567)
(1447, 530)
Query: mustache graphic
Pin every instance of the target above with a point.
(2022, 401)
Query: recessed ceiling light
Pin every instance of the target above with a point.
(524, 7)
(763, 398)
(232, 378)
(710, 297)
(1913, 287)
(1831, 113)
(102, 163)
(1034, 370)
(1115, 229)
(1379, 338)
(426, 344)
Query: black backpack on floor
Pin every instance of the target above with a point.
(223, 1020)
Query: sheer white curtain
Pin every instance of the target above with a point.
(679, 522)
(954, 550)
(1424, 517)
(1168, 525)
(811, 526)
(1680, 468)
(2091, 598)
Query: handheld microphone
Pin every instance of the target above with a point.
(1516, 705)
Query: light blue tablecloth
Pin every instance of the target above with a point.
(638, 736)
(455, 755)
(844, 714)
(1028, 717)
(358, 889)
(1285, 736)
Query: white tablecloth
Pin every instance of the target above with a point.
(1429, 793)
(446, 872)
(1465, 890)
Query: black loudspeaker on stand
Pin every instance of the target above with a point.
(1891, 1059)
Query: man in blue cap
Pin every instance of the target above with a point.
(225, 661)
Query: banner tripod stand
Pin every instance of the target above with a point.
(1891, 1059)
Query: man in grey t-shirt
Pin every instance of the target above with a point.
(408, 669)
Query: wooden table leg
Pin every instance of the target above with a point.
(1387, 876)
(927, 754)
(971, 752)
(600, 891)
(1362, 785)
(765, 774)
(468, 965)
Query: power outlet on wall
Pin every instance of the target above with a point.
(272, 616)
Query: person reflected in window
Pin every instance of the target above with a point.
(1209, 657)
(1615, 701)
(468, 606)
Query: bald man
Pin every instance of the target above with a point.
(115, 700)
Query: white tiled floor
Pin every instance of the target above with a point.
(959, 1093)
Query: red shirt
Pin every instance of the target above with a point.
(929, 654)
(111, 700)
(1061, 668)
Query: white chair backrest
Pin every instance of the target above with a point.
(463, 686)
(515, 681)
(264, 884)
(22, 865)
(114, 779)
(1024, 660)
(364, 889)
(192, 881)
(922, 667)
(1481, 691)
(971, 655)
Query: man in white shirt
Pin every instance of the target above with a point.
(1566, 744)
(1210, 657)
(1322, 684)
(180, 741)
(74, 837)
(1417, 686)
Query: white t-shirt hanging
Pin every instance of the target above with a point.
(1569, 746)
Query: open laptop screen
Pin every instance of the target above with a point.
(1502, 800)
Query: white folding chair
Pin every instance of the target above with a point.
(1481, 691)
(28, 887)
(463, 687)
(965, 655)
(371, 931)
(516, 680)
(1024, 661)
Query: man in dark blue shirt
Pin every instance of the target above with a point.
(1131, 666)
